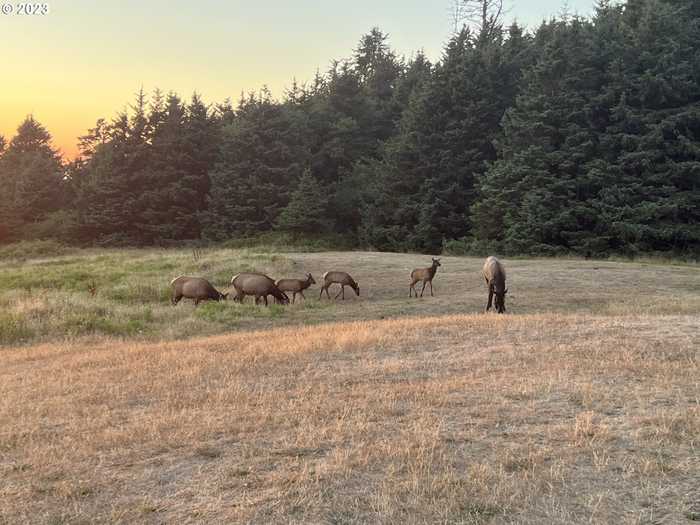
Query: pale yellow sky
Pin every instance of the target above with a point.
(85, 60)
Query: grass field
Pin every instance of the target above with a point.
(582, 405)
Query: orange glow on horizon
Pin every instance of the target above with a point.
(86, 60)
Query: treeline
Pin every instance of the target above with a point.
(581, 137)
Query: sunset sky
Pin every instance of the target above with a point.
(86, 59)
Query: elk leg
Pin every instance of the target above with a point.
(196, 302)
(320, 295)
(327, 294)
(422, 289)
(431, 288)
(294, 297)
(342, 287)
(488, 306)
(265, 298)
(176, 299)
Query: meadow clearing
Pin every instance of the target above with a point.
(581, 405)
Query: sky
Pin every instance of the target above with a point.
(85, 60)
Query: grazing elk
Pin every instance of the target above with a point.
(341, 278)
(194, 288)
(257, 285)
(296, 286)
(495, 275)
(423, 274)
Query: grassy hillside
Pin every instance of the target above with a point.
(47, 299)
(582, 405)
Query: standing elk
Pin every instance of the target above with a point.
(296, 286)
(343, 279)
(257, 285)
(194, 288)
(423, 274)
(495, 275)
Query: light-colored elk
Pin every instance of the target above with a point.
(257, 285)
(495, 275)
(296, 286)
(343, 279)
(423, 274)
(194, 288)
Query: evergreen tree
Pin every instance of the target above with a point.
(258, 164)
(32, 181)
(429, 170)
(539, 188)
(102, 188)
(651, 199)
(582, 137)
(168, 203)
(597, 154)
(306, 211)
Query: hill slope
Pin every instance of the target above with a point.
(542, 418)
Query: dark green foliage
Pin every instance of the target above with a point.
(600, 152)
(259, 162)
(429, 169)
(580, 137)
(32, 182)
(143, 179)
(306, 211)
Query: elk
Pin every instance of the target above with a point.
(296, 286)
(258, 285)
(495, 275)
(341, 278)
(423, 274)
(194, 288)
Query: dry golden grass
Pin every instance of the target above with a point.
(540, 418)
(580, 406)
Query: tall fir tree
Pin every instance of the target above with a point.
(427, 177)
(536, 196)
(306, 211)
(251, 182)
(32, 181)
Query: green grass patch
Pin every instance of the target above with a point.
(33, 249)
(313, 305)
(69, 277)
(227, 312)
(55, 299)
(94, 323)
(130, 293)
(13, 329)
